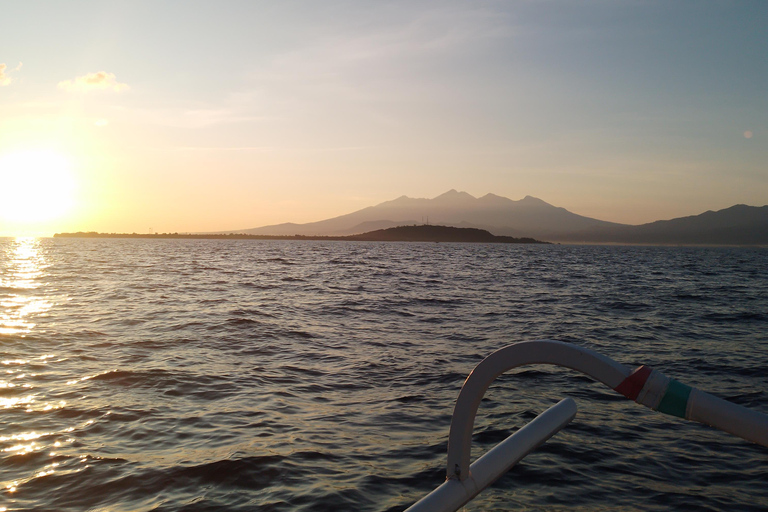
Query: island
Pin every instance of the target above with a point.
(417, 233)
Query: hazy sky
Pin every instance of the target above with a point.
(200, 116)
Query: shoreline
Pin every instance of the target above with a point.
(423, 233)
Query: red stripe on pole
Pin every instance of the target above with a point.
(631, 386)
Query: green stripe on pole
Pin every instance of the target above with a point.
(675, 399)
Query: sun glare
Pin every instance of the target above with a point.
(35, 186)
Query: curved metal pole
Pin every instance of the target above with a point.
(643, 385)
(578, 358)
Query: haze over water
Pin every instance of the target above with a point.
(206, 375)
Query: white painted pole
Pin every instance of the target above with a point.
(578, 358)
(454, 494)
(728, 417)
(643, 385)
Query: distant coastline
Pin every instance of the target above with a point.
(419, 233)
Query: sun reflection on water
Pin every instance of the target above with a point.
(23, 300)
(21, 268)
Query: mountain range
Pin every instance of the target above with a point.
(534, 218)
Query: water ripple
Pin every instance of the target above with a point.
(202, 375)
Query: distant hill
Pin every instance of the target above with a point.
(533, 218)
(737, 225)
(429, 233)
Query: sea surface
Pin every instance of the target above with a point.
(214, 375)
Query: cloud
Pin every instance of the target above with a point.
(99, 81)
(4, 78)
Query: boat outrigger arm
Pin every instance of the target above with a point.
(643, 385)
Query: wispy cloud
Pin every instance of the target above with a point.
(264, 149)
(99, 81)
(5, 79)
(195, 118)
(406, 56)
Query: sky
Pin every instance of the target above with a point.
(177, 116)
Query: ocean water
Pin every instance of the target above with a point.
(203, 375)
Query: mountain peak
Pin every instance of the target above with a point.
(453, 195)
(493, 199)
(533, 200)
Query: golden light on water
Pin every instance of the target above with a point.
(25, 265)
(35, 186)
(23, 268)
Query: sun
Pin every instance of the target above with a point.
(35, 186)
